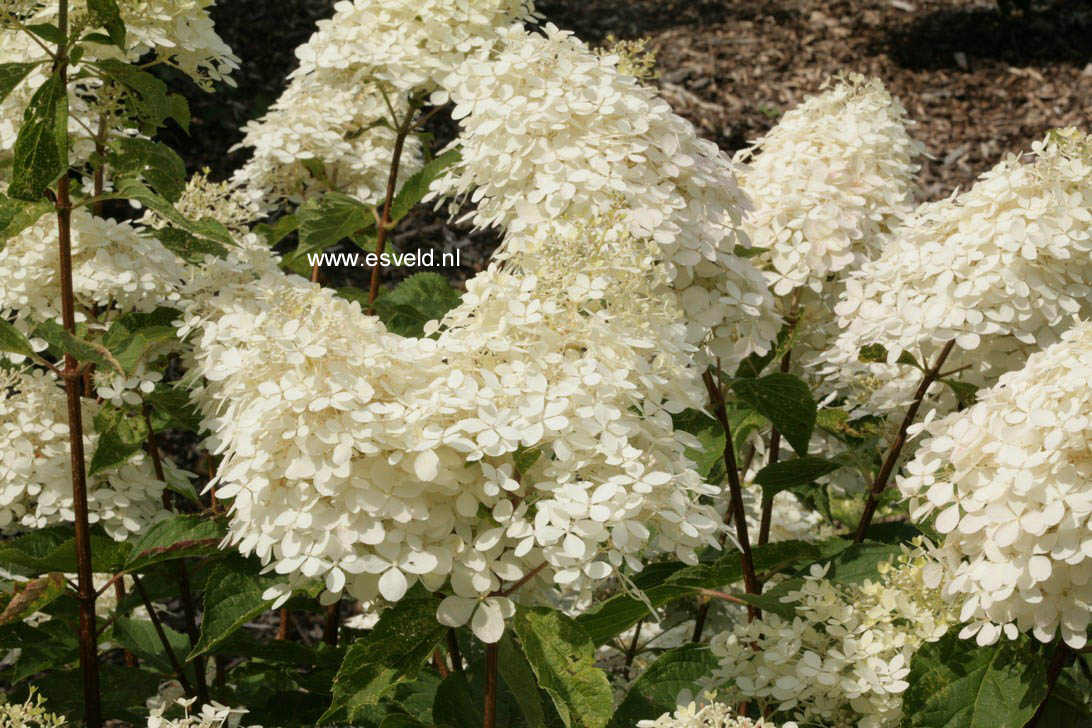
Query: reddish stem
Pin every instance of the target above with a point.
(385, 218)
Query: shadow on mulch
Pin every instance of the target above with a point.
(631, 19)
(1060, 33)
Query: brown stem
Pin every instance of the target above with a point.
(631, 653)
(453, 651)
(179, 671)
(1057, 661)
(314, 273)
(89, 659)
(489, 712)
(119, 593)
(282, 626)
(750, 581)
(888, 466)
(385, 218)
(523, 580)
(330, 626)
(180, 571)
(438, 663)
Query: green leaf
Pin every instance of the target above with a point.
(965, 392)
(139, 637)
(122, 433)
(46, 647)
(786, 401)
(956, 684)
(133, 335)
(171, 407)
(421, 298)
(62, 342)
(18, 215)
(770, 600)
(520, 679)
(30, 597)
(878, 354)
(274, 233)
(791, 473)
(155, 163)
(124, 690)
(233, 597)
(11, 75)
(13, 342)
(207, 229)
(391, 653)
(666, 581)
(105, 13)
(176, 538)
(47, 32)
(562, 656)
(187, 246)
(146, 96)
(525, 458)
(179, 110)
(709, 433)
(40, 154)
(327, 220)
(852, 563)
(416, 187)
(54, 549)
(654, 692)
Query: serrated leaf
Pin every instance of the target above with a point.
(416, 187)
(105, 13)
(134, 334)
(13, 342)
(393, 652)
(274, 233)
(62, 342)
(175, 538)
(786, 401)
(520, 679)
(54, 549)
(30, 597)
(709, 433)
(146, 96)
(956, 684)
(171, 407)
(11, 75)
(327, 220)
(852, 563)
(179, 110)
(233, 597)
(791, 473)
(664, 582)
(562, 656)
(421, 298)
(139, 637)
(122, 434)
(40, 154)
(18, 215)
(47, 32)
(207, 229)
(155, 163)
(655, 691)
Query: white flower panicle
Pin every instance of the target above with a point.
(35, 485)
(382, 461)
(828, 182)
(551, 129)
(104, 273)
(415, 47)
(179, 33)
(843, 659)
(212, 715)
(32, 712)
(707, 713)
(327, 131)
(1000, 269)
(1009, 481)
(225, 202)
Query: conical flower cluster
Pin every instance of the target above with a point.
(1009, 482)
